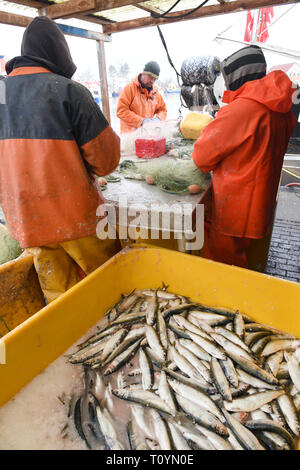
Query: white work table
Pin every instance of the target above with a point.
(129, 194)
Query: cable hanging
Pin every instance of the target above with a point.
(168, 55)
(178, 17)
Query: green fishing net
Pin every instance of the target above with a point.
(174, 176)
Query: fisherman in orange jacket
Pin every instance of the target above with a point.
(54, 142)
(140, 102)
(244, 148)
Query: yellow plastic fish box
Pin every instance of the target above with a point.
(46, 335)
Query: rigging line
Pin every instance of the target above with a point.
(188, 13)
(233, 24)
(168, 55)
(157, 15)
(275, 21)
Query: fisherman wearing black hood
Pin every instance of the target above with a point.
(54, 139)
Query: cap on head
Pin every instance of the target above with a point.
(152, 68)
(245, 65)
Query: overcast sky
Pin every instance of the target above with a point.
(184, 39)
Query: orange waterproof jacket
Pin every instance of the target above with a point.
(53, 138)
(244, 147)
(137, 103)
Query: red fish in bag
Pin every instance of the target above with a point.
(150, 147)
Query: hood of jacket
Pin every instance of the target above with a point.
(44, 44)
(274, 91)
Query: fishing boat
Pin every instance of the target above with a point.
(172, 88)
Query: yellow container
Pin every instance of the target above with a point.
(49, 333)
(193, 124)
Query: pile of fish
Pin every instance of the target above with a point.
(191, 377)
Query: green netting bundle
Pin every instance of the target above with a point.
(9, 248)
(175, 176)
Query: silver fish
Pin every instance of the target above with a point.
(144, 397)
(108, 429)
(280, 344)
(191, 381)
(238, 324)
(209, 346)
(195, 348)
(201, 441)
(155, 343)
(271, 426)
(197, 397)
(161, 431)
(230, 372)
(98, 336)
(88, 352)
(233, 337)
(293, 368)
(135, 441)
(231, 347)
(242, 434)
(165, 392)
(194, 360)
(210, 318)
(120, 360)
(141, 416)
(254, 401)
(162, 330)
(272, 363)
(146, 368)
(217, 441)
(177, 309)
(290, 413)
(182, 363)
(127, 302)
(220, 379)
(254, 381)
(251, 338)
(185, 324)
(253, 369)
(113, 342)
(152, 307)
(179, 441)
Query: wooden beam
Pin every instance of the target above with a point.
(71, 7)
(23, 21)
(91, 18)
(28, 3)
(150, 9)
(14, 19)
(213, 10)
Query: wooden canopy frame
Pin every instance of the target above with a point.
(93, 11)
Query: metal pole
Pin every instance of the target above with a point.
(103, 79)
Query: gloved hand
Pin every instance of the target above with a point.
(146, 121)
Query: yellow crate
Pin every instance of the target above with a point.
(49, 333)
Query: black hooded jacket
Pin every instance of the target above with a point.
(53, 136)
(44, 45)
